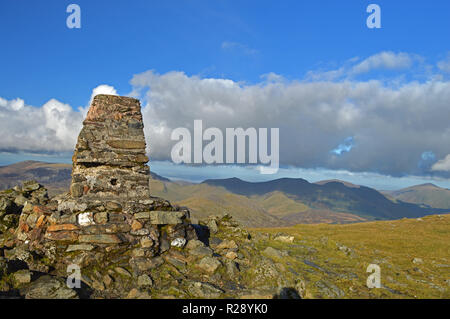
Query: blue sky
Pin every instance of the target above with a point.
(250, 43)
(42, 59)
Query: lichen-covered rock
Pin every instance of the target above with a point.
(48, 287)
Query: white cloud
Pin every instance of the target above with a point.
(444, 65)
(52, 127)
(384, 60)
(103, 89)
(390, 125)
(442, 165)
(351, 68)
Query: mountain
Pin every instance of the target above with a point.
(425, 194)
(333, 196)
(276, 203)
(56, 177)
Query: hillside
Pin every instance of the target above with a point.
(413, 255)
(55, 176)
(267, 210)
(425, 194)
(218, 260)
(332, 196)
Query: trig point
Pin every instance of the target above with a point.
(109, 162)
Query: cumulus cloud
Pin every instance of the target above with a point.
(103, 89)
(52, 127)
(442, 165)
(384, 60)
(392, 126)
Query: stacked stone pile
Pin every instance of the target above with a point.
(109, 162)
(125, 242)
(109, 204)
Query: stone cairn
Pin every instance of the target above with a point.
(109, 213)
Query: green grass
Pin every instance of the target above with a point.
(390, 244)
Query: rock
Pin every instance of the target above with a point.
(194, 243)
(138, 252)
(177, 262)
(164, 245)
(98, 285)
(264, 271)
(232, 269)
(101, 218)
(273, 253)
(86, 219)
(144, 264)
(47, 287)
(76, 190)
(135, 225)
(62, 236)
(142, 215)
(85, 247)
(204, 290)
(6, 205)
(136, 294)
(417, 261)
(166, 217)
(30, 186)
(32, 219)
(108, 280)
(231, 255)
(212, 225)
(140, 232)
(227, 244)
(300, 286)
(60, 227)
(122, 271)
(285, 239)
(146, 242)
(20, 200)
(144, 281)
(100, 239)
(178, 242)
(209, 264)
(22, 276)
(201, 251)
(113, 206)
(329, 290)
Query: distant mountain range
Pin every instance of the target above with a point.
(331, 195)
(279, 202)
(426, 195)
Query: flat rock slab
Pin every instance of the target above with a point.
(84, 247)
(100, 239)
